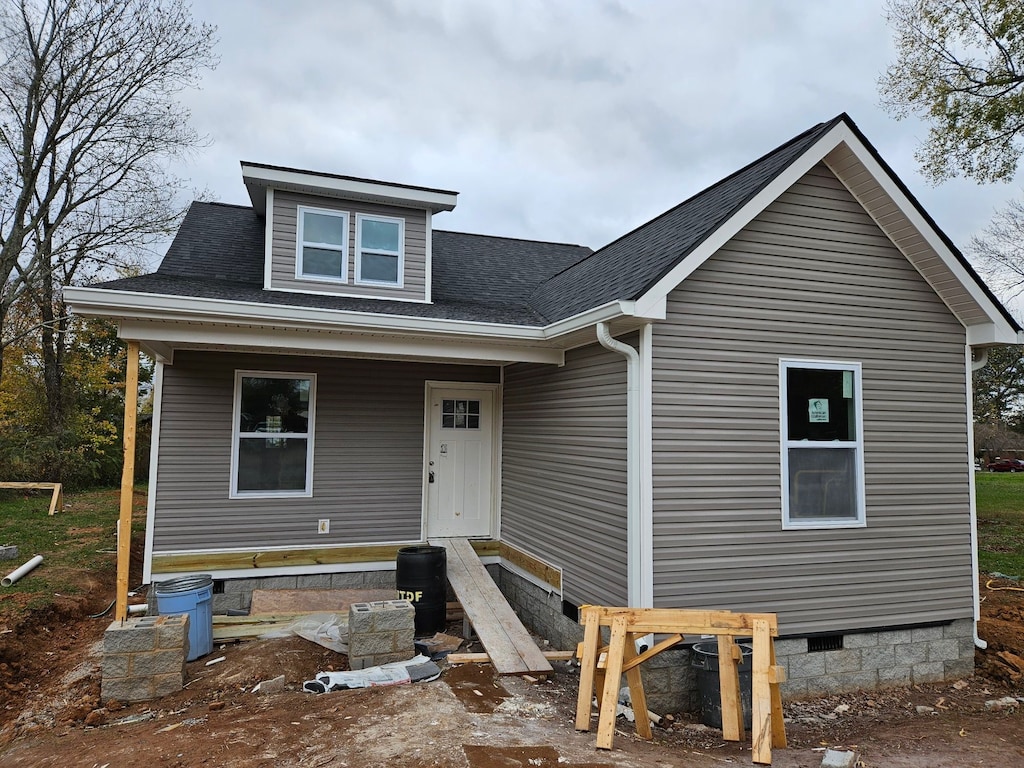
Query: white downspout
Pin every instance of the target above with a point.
(974, 365)
(634, 447)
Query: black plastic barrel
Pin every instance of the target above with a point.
(421, 577)
(705, 662)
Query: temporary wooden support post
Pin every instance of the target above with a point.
(628, 625)
(56, 500)
(124, 523)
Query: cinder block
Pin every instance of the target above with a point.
(228, 602)
(846, 660)
(807, 665)
(126, 689)
(155, 663)
(911, 653)
(922, 634)
(115, 665)
(379, 579)
(360, 619)
(895, 637)
(360, 662)
(172, 631)
(393, 615)
(164, 685)
(314, 581)
(277, 582)
(959, 628)
(370, 643)
(404, 641)
(862, 640)
(8, 552)
(894, 677)
(233, 586)
(132, 636)
(350, 580)
(929, 672)
(879, 657)
(943, 650)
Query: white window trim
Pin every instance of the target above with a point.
(360, 218)
(786, 444)
(300, 243)
(237, 435)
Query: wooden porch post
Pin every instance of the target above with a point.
(124, 525)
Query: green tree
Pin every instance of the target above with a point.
(999, 387)
(960, 67)
(88, 449)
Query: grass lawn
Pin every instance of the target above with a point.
(81, 538)
(1001, 522)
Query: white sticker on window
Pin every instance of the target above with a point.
(817, 410)
(847, 384)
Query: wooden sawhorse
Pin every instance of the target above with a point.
(629, 624)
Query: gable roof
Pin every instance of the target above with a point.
(627, 267)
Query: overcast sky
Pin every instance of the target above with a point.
(564, 121)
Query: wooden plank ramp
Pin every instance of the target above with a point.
(509, 645)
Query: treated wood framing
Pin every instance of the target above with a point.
(531, 565)
(255, 559)
(602, 667)
(124, 522)
(485, 658)
(506, 640)
(56, 499)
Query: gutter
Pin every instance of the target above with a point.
(972, 366)
(634, 447)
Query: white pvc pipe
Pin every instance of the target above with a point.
(17, 573)
(141, 608)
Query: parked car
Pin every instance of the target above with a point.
(1005, 465)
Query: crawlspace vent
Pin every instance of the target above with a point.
(824, 643)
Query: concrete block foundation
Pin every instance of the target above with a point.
(144, 658)
(863, 660)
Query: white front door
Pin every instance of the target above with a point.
(460, 451)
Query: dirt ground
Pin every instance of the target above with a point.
(51, 715)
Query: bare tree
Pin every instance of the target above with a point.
(89, 126)
(998, 250)
(960, 67)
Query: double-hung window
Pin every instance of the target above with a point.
(822, 444)
(273, 434)
(379, 250)
(322, 244)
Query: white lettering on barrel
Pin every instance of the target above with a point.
(414, 597)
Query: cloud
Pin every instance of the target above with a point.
(571, 121)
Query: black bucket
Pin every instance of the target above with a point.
(421, 577)
(705, 662)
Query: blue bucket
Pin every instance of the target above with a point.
(192, 595)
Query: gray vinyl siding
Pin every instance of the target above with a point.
(367, 464)
(284, 244)
(813, 278)
(564, 470)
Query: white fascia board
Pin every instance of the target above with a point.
(268, 241)
(298, 341)
(1001, 331)
(131, 305)
(435, 200)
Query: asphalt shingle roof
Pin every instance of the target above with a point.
(218, 254)
(626, 268)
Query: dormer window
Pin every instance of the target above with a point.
(322, 244)
(379, 250)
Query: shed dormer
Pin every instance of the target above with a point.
(345, 236)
